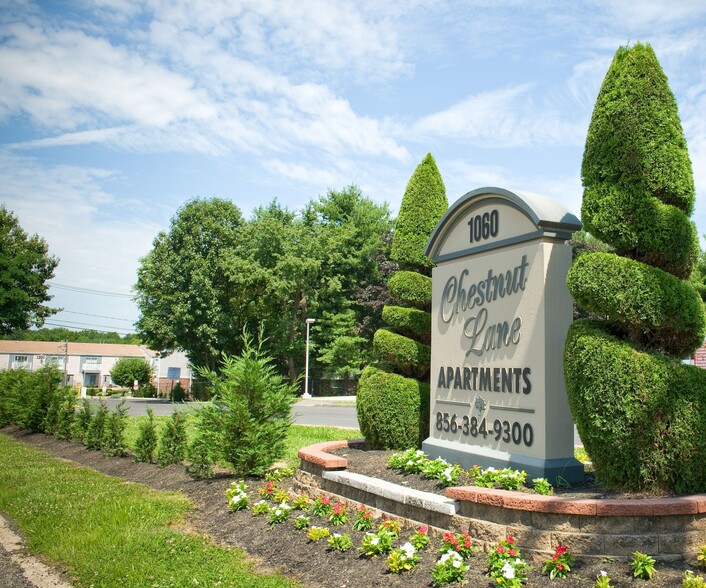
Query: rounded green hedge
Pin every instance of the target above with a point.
(409, 321)
(393, 411)
(639, 226)
(640, 416)
(411, 289)
(410, 358)
(656, 308)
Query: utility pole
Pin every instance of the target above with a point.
(66, 361)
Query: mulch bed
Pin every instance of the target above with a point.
(288, 551)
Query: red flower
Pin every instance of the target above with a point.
(512, 552)
(362, 507)
(448, 537)
(510, 539)
(559, 566)
(555, 557)
(423, 530)
(501, 549)
(367, 514)
(339, 508)
(561, 549)
(325, 500)
(467, 542)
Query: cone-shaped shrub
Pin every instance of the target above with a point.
(393, 405)
(638, 410)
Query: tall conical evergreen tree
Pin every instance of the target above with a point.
(393, 395)
(639, 412)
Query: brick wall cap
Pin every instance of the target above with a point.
(318, 453)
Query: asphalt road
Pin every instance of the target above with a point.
(323, 412)
(327, 412)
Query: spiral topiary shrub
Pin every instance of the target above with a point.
(640, 413)
(393, 397)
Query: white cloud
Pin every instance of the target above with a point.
(83, 224)
(501, 118)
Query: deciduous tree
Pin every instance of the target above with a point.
(25, 268)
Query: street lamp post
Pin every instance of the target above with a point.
(306, 394)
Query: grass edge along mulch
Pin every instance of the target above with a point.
(106, 532)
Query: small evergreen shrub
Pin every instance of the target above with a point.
(67, 413)
(172, 441)
(30, 396)
(96, 428)
(82, 422)
(114, 432)
(250, 411)
(393, 411)
(411, 289)
(146, 442)
(177, 394)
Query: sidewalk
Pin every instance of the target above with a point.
(326, 401)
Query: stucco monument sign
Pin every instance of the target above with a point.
(500, 313)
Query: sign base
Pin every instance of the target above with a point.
(557, 470)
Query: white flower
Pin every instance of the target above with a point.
(336, 535)
(408, 549)
(456, 563)
(375, 541)
(508, 571)
(278, 512)
(604, 573)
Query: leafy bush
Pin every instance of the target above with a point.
(411, 289)
(28, 396)
(172, 441)
(128, 369)
(146, 442)
(393, 411)
(250, 411)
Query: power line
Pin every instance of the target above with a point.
(90, 291)
(115, 318)
(86, 326)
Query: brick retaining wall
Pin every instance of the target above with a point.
(666, 528)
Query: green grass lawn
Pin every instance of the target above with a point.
(112, 533)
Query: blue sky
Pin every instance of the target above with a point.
(113, 113)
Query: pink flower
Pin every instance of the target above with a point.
(467, 543)
(512, 552)
(325, 500)
(501, 549)
(423, 530)
(559, 566)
